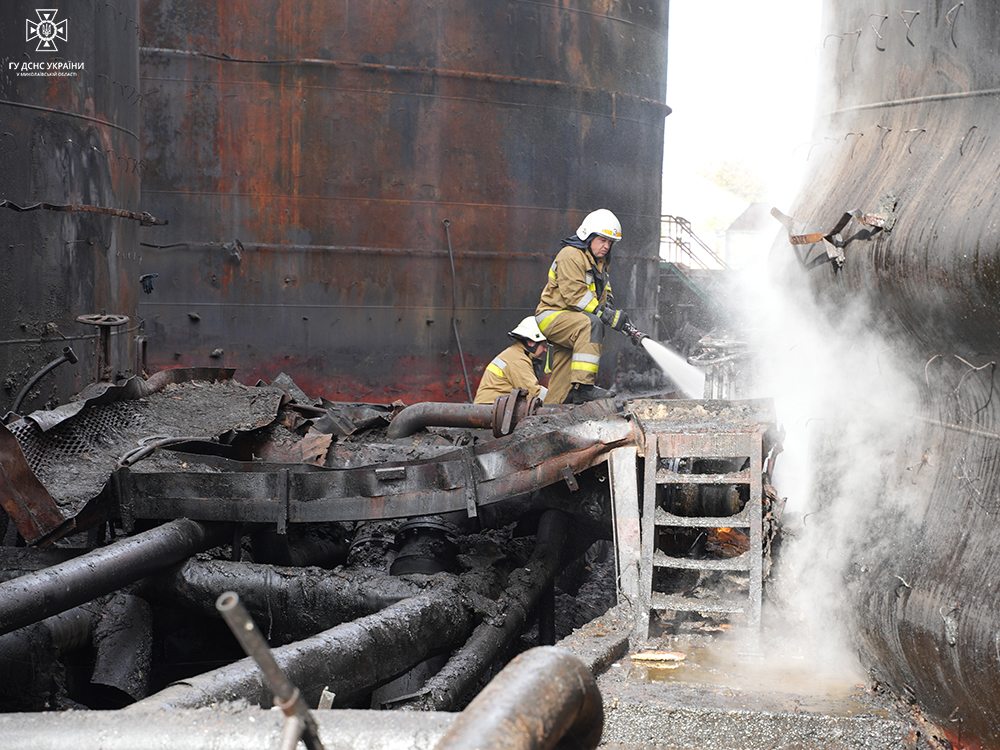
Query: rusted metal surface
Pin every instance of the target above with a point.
(534, 456)
(143, 218)
(502, 416)
(912, 112)
(24, 499)
(332, 144)
(544, 697)
(69, 145)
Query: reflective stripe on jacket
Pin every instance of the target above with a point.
(577, 281)
(512, 368)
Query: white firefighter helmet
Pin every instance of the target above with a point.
(528, 329)
(601, 222)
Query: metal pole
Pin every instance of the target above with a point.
(286, 696)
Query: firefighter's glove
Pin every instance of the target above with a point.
(616, 319)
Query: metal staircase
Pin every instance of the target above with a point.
(684, 246)
(682, 438)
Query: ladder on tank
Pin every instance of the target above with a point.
(744, 443)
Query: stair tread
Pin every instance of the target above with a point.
(740, 562)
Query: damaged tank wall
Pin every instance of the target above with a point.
(308, 155)
(67, 140)
(912, 115)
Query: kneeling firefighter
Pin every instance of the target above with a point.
(514, 367)
(576, 305)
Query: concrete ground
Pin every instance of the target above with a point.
(713, 688)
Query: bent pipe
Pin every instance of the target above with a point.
(463, 670)
(47, 592)
(217, 729)
(414, 418)
(68, 355)
(545, 698)
(297, 602)
(350, 659)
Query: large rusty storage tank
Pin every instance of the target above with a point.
(70, 169)
(910, 139)
(358, 192)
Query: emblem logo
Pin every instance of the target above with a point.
(46, 30)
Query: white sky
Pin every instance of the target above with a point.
(741, 76)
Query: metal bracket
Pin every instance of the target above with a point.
(471, 482)
(389, 473)
(284, 509)
(570, 479)
(125, 507)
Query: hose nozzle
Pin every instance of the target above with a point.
(634, 334)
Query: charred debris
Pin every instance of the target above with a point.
(392, 557)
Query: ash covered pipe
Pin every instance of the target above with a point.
(351, 659)
(544, 698)
(47, 592)
(123, 641)
(217, 729)
(303, 601)
(120, 629)
(27, 656)
(468, 664)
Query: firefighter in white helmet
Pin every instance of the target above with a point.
(576, 305)
(514, 367)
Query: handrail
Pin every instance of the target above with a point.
(674, 229)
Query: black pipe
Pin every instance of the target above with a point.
(123, 644)
(299, 550)
(350, 659)
(28, 658)
(544, 698)
(68, 355)
(35, 596)
(464, 669)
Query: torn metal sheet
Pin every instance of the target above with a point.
(883, 217)
(537, 455)
(26, 501)
(73, 451)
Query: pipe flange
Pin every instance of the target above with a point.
(510, 409)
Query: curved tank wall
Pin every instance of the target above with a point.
(68, 140)
(309, 156)
(910, 132)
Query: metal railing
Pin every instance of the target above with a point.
(684, 246)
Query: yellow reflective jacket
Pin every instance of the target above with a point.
(510, 369)
(577, 281)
